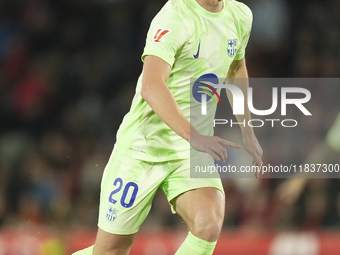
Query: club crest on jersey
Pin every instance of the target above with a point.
(160, 34)
(232, 47)
(111, 214)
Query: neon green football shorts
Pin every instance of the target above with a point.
(129, 185)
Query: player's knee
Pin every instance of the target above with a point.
(207, 227)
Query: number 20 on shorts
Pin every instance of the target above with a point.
(125, 201)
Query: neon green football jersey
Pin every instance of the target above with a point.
(195, 43)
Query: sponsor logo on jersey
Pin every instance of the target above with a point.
(232, 47)
(203, 90)
(196, 56)
(111, 214)
(160, 34)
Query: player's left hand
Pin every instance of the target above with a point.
(254, 149)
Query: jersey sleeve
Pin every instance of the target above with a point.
(246, 34)
(167, 33)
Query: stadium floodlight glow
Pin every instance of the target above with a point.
(239, 101)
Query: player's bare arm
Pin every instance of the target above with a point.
(156, 93)
(238, 69)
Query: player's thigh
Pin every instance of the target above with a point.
(127, 190)
(192, 196)
(116, 244)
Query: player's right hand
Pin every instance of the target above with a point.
(212, 145)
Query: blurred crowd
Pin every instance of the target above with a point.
(68, 71)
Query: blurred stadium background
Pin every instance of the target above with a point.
(68, 71)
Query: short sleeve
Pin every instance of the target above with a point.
(244, 41)
(166, 35)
